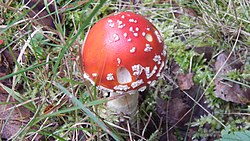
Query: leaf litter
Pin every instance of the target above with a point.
(185, 81)
(177, 110)
(228, 90)
(40, 15)
(11, 118)
(180, 110)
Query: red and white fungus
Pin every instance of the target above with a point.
(123, 53)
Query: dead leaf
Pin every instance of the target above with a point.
(178, 110)
(170, 136)
(227, 90)
(17, 118)
(230, 91)
(207, 52)
(9, 58)
(184, 11)
(174, 68)
(6, 63)
(5, 82)
(179, 105)
(43, 17)
(185, 81)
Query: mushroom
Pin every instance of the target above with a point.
(123, 53)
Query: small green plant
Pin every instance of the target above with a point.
(228, 135)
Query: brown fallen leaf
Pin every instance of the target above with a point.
(4, 70)
(170, 136)
(227, 90)
(6, 65)
(185, 81)
(174, 68)
(40, 15)
(11, 124)
(207, 52)
(184, 11)
(230, 91)
(179, 104)
(178, 110)
(8, 58)
(18, 115)
(5, 82)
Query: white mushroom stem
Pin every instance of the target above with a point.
(125, 105)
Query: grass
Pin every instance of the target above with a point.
(46, 78)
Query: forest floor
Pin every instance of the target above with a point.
(203, 95)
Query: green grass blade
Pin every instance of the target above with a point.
(24, 70)
(92, 103)
(50, 134)
(70, 43)
(18, 97)
(7, 120)
(87, 111)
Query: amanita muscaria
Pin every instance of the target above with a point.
(123, 53)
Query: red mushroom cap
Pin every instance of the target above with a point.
(123, 52)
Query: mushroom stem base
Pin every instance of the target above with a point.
(125, 105)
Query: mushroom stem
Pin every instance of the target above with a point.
(125, 105)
